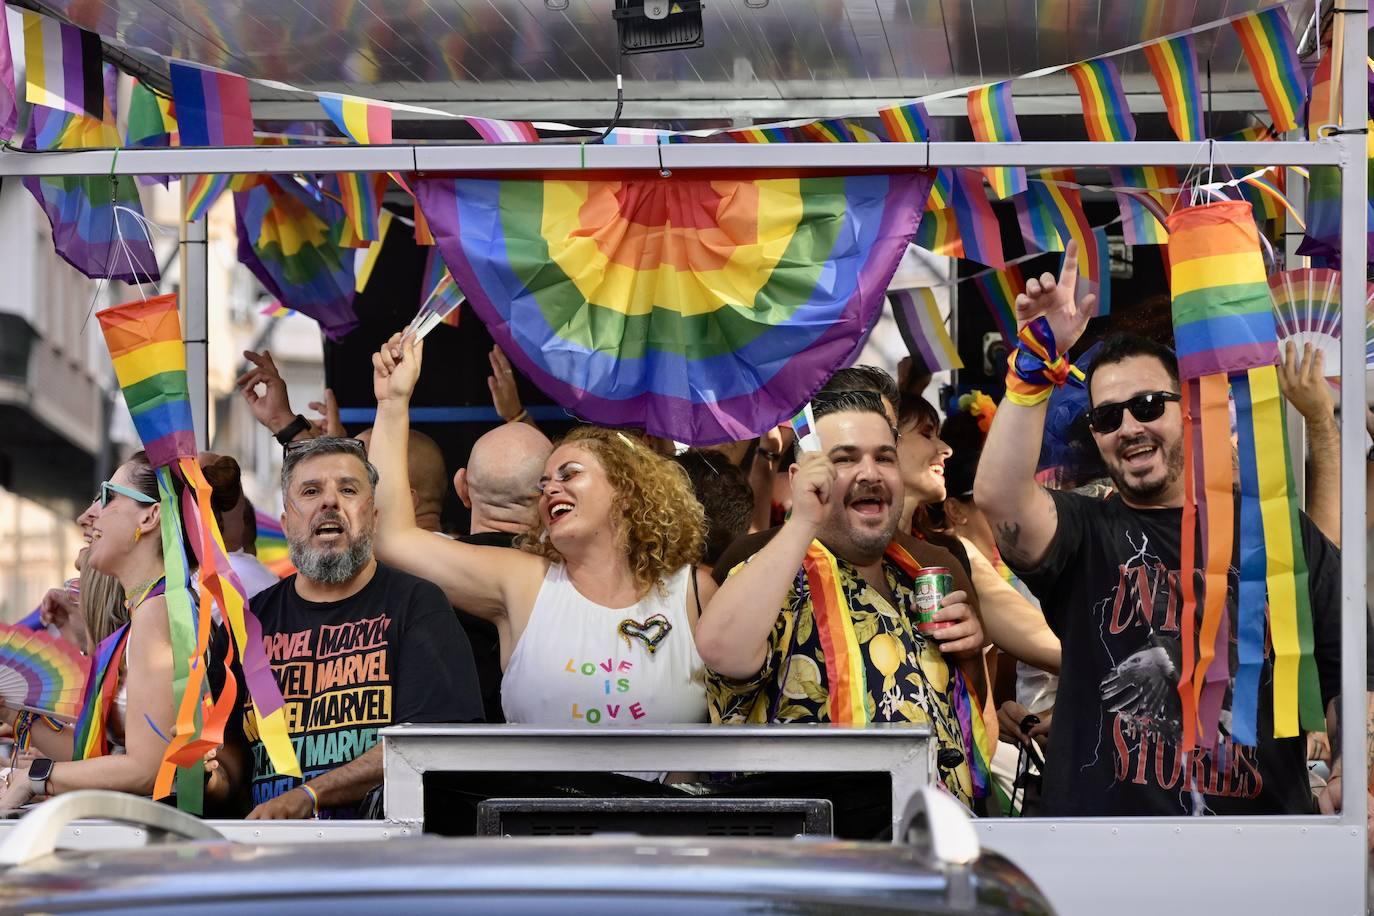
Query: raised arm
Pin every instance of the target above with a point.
(732, 636)
(481, 580)
(1021, 512)
(1303, 382)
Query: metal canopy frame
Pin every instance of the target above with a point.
(1259, 865)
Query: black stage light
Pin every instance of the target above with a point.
(658, 25)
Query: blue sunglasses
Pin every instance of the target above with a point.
(108, 491)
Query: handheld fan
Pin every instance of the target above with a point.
(1307, 310)
(441, 299)
(41, 673)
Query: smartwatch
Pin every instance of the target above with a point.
(291, 430)
(40, 770)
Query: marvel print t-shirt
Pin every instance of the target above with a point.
(1111, 590)
(392, 653)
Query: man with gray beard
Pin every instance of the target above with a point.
(355, 645)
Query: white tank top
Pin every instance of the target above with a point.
(573, 666)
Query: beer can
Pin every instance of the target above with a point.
(932, 584)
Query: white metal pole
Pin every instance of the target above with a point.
(194, 302)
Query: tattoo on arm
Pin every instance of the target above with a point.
(1008, 542)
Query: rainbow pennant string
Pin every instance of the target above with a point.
(941, 191)
(938, 233)
(1267, 41)
(1036, 221)
(1142, 224)
(1105, 112)
(700, 308)
(360, 194)
(923, 329)
(1174, 65)
(1065, 207)
(145, 342)
(361, 120)
(999, 289)
(908, 123)
(978, 227)
(1225, 336)
(993, 120)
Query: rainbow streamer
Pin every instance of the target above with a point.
(938, 233)
(993, 120)
(1174, 65)
(701, 309)
(846, 677)
(1105, 112)
(1065, 207)
(145, 342)
(1267, 40)
(978, 227)
(999, 289)
(909, 123)
(272, 548)
(1224, 331)
(923, 329)
(362, 120)
(41, 673)
(1036, 221)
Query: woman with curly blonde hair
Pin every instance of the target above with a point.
(596, 613)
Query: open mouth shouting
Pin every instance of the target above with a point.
(557, 509)
(329, 530)
(1138, 454)
(869, 503)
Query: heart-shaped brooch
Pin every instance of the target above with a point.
(651, 632)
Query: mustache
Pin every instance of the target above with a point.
(868, 491)
(1137, 440)
(328, 518)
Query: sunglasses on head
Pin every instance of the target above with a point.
(108, 491)
(1106, 418)
(352, 443)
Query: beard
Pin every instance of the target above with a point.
(1148, 491)
(860, 545)
(332, 566)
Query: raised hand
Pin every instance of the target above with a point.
(812, 484)
(271, 408)
(1054, 299)
(328, 423)
(396, 368)
(1302, 381)
(504, 396)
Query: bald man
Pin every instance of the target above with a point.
(428, 477)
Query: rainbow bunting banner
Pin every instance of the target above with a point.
(62, 66)
(639, 136)
(1139, 223)
(999, 289)
(360, 194)
(993, 120)
(202, 194)
(1226, 339)
(1066, 209)
(145, 342)
(494, 130)
(96, 219)
(909, 123)
(290, 240)
(1034, 216)
(923, 329)
(1267, 41)
(702, 310)
(941, 191)
(1174, 65)
(212, 106)
(827, 130)
(938, 233)
(360, 120)
(759, 135)
(151, 121)
(41, 673)
(272, 548)
(978, 227)
(1105, 112)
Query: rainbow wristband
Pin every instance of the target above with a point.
(1036, 367)
(314, 800)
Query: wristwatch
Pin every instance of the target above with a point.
(40, 770)
(291, 430)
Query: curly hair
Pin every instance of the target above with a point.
(657, 519)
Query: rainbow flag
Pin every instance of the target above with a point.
(62, 66)
(151, 121)
(999, 289)
(993, 120)
(202, 194)
(9, 96)
(1268, 44)
(212, 106)
(361, 120)
(1105, 112)
(909, 123)
(365, 260)
(803, 424)
(978, 227)
(639, 136)
(88, 231)
(846, 675)
(1139, 225)
(494, 130)
(1036, 222)
(360, 193)
(941, 191)
(759, 135)
(290, 239)
(827, 130)
(923, 329)
(1066, 209)
(1174, 64)
(938, 233)
(277, 310)
(272, 549)
(704, 330)
(438, 293)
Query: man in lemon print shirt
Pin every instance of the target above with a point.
(820, 625)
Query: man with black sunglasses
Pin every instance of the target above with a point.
(1107, 573)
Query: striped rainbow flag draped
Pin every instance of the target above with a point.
(701, 309)
(1174, 65)
(993, 119)
(149, 356)
(1105, 112)
(1267, 40)
(1225, 337)
(999, 289)
(923, 329)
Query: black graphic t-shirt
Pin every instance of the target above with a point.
(1111, 590)
(392, 653)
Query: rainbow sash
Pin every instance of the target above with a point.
(89, 739)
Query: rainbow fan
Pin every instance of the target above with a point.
(41, 673)
(1307, 310)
